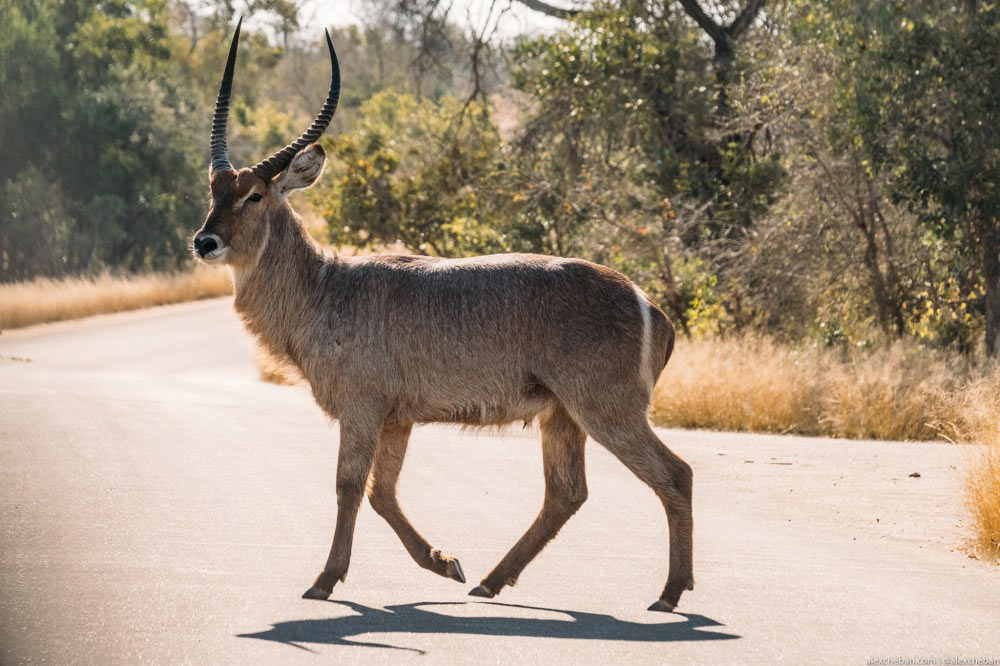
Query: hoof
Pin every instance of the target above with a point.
(661, 606)
(481, 591)
(316, 593)
(455, 571)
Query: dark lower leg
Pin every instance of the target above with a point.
(357, 449)
(680, 577)
(565, 491)
(339, 559)
(638, 447)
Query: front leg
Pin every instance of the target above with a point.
(358, 440)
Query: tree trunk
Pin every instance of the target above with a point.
(883, 303)
(723, 38)
(991, 274)
(892, 281)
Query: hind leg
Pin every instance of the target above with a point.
(633, 442)
(382, 495)
(565, 491)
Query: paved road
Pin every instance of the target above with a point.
(158, 503)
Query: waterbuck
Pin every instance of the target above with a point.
(386, 342)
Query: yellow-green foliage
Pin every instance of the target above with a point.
(405, 174)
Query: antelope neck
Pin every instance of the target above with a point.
(270, 292)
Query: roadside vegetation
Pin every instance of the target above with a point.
(807, 187)
(904, 392)
(983, 502)
(44, 300)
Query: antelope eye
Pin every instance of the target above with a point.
(256, 196)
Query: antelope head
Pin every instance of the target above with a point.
(244, 201)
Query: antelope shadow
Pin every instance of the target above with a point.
(416, 619)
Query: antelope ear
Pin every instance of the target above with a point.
(302, 171)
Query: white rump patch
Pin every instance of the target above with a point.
(645, 364)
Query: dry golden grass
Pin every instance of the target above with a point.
(753, 384)
(904, 392)
(43, 300)
(900, 393)
(983, 502)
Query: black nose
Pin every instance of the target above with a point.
(204, 245)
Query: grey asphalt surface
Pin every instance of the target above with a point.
(158, 503)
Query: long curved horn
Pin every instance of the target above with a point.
(220, 155)
(275, 164)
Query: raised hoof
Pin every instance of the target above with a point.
(455, 571)
(661, 606)
(481, 591)
(316, 593)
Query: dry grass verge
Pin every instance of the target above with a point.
(983, 502)
(905, 392)
(43, 300)
(752, 384)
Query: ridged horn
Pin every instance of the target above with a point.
(220, 121)
(275, 164)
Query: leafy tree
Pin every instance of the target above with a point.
(920, 83)
(100, 165)
(105, 117)
(412, 172)
(625, 135)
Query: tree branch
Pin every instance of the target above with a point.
(550, 10)
(714, 30)
(723, 36)
(745, 19)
